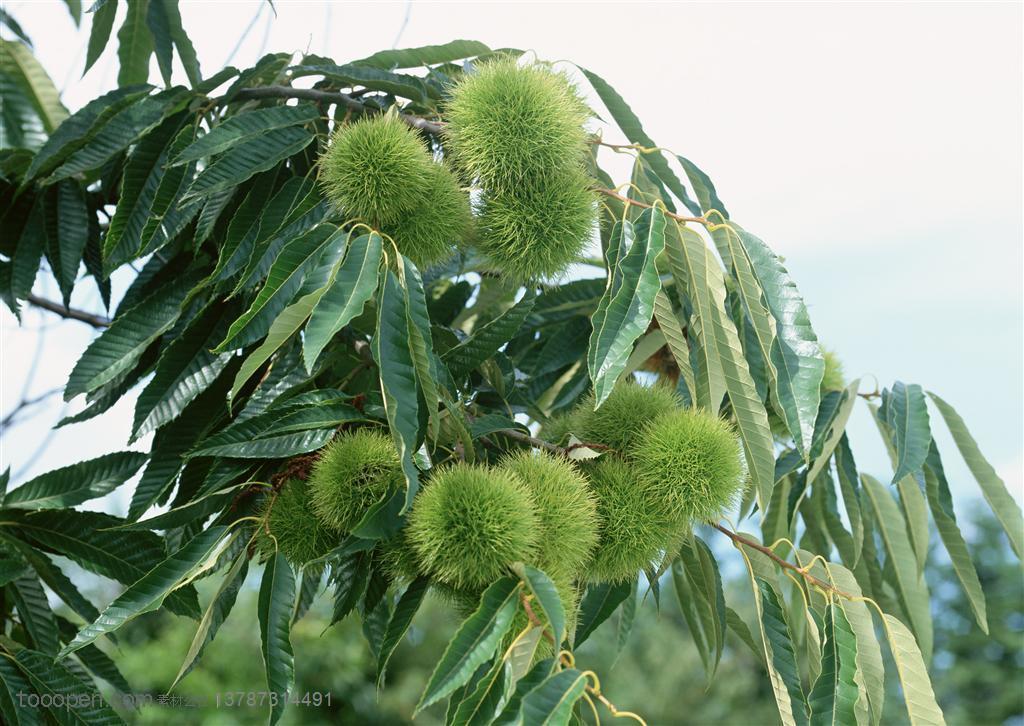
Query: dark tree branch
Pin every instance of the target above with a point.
(96, 321)
(337, 97)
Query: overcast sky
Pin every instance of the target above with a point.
(877, 146)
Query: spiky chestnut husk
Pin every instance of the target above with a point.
(468, 524)
(429, 233)
(566, 511)
(624, 414)
(634, 527)
(509, 124)
(535, 232)
(559, 427)
(399, 559)
(833, 378)
(692, 461)
(376, 169)
(291, 524)
(354, 472)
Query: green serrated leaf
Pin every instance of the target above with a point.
(119, 347)
(907, 416)
(244, 127)
(551, 703)
(537, 674)
(870, 669)
(148, 593)
(779, 654)
(277, 591)
(17, 61)
(834, 696)
(913, 675)
(283, 281)
(99, 32)
(910, 584)
(34, 613)
(940, 501)
(279, 433)
(248, 158)
(474, 642)
(398, 382)
(352, 286)
(546, 593)
(424, 56)
(77, 483)
(13, 684)
(485, 341)
(597, 605)
(400, 621)
(993, 488)
(627, 306)
(74, 701)
(134, 45)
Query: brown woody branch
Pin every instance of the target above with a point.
(636, 203)
(335, 97)
(96, 321)
(739, 539)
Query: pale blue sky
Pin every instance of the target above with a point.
(877, 146)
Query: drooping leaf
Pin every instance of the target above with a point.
(474, 642)
(400, 84)
(940, 501)
(77, 483)
(398, 382)
(627, 306)
(248, 158)
(486, 341)
(779, 654)
(723, 366)
(536, 675)
(993, 488)
(283, 281)
(597, 606)
(705, 587)
(481, 698)
(277, 592)
(34, 613)
(913, 674)
(353, 284)
(119, 347)
(17, 62)
(870, 669)
(551, 703)
(149, 592)
(72, 700)
(134, 45)
(833, 698)
(99, 32)
(546, 594)
(164, 21)
(244, 127)
(289, 430)
(911, 587)
(399, 624)
(907, 416)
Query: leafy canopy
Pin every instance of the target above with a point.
(271, 312)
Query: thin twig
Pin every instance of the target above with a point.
(532, 440)
(96, 321)
(337, 97)
(636, 203)
(767, 552)
(534, 620)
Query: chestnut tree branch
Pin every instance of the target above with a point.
(96, 321)
(336, 97)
